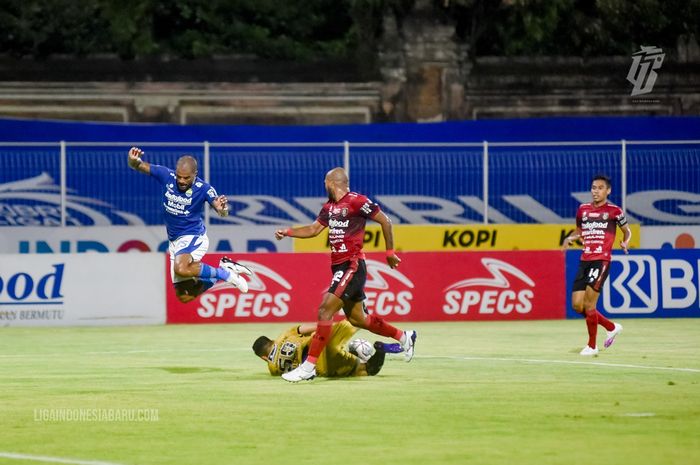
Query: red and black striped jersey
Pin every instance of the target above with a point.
(346, 221)
(598, 227)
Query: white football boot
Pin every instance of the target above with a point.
(611, 335)
(234, 266)
(409, 344)
(300, 374)
(588, 351)
(235, 270)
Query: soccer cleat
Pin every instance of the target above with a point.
(299, 374)
(237, 282)
(235, 270)
(409, 345)
(389, 348)
(376, 361)
(234, 266)
(589, 351)
(612, 334)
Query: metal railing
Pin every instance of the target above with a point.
(488, 151)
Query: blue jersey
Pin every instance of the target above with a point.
(183, 211)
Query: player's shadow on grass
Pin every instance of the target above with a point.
(190, 370)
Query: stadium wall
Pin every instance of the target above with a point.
(495, 130)
(407, 238)
(135, 288)
(106, 239)
(272, 183)
(432, 173)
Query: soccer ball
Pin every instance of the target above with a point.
(361, 348)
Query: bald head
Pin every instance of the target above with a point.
(337, 183)
(187, 162)
(337, 176)
(185, 172)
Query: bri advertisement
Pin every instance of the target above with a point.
(646, 283)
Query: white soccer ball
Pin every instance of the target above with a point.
(362, 348)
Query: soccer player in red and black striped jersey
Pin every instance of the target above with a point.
(345, 215)
(596, 224)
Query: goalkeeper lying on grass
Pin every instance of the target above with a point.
(290, 349)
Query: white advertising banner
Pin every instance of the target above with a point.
(82, 289)
(79, 239)
(676, 237)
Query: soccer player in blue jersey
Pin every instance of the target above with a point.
(183, 197)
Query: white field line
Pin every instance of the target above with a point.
(42, 458)
(118, 352)
(450, 357)
(561, 362)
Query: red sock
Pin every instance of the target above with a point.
(377, 325)
(604, 322)
(319, 341)
(592, 323)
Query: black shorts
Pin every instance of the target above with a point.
(348, 282)
(591, 274)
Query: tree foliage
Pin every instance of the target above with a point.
(571, 27)
(321, 29)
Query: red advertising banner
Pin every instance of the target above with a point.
(427, 286)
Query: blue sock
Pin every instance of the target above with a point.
(206, 271)
(207, 283)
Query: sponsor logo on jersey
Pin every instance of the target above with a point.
(384, 298)
(595, 225)
(178, 199)
(340, 249)
(507, 289)
(338, 224)
(268, 294)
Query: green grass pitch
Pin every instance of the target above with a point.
(476, 393)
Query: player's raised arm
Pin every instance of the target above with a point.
(136, 163)
(302, 232)
(388, 232)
